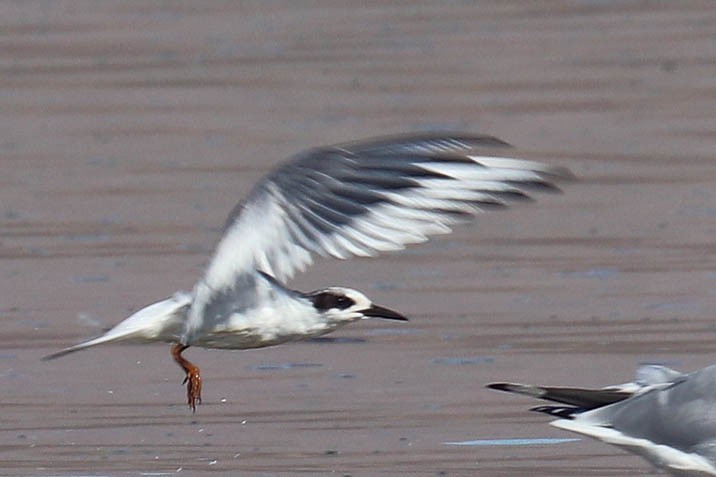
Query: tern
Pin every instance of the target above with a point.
(665, 416)
(353, 199)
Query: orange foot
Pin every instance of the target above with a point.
(193, 376)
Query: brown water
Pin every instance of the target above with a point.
(129, 129)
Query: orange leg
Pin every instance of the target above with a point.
(192, 379)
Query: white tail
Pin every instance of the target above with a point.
(161, 321)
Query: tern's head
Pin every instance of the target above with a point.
(347, 304)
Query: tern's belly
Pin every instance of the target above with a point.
(255, 338)
(261, 327)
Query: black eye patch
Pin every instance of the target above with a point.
(326, 300)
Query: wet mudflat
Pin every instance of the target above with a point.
(128, 130)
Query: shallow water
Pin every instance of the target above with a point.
(129, 130)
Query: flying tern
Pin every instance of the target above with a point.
(353, 199)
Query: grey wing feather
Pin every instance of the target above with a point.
(366, 197)
(673, 409)
(680, 413)
(582, 398)
(670, 417)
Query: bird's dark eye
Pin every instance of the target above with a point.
(326, 300)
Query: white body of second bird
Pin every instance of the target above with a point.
(665, 416)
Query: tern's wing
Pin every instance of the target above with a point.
(367, 197)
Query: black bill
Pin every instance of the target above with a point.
(376, 311)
